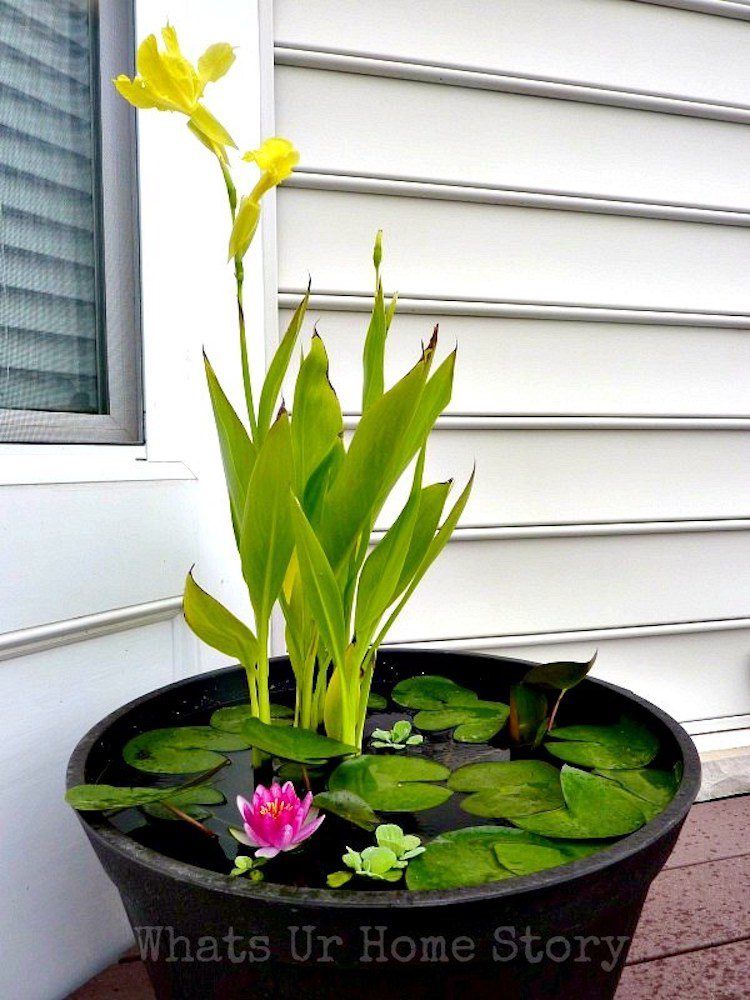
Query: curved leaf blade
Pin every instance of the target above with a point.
(217, 626)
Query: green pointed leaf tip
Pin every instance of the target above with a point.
(596, 808)
(317, 422)
(278, 368)
(348, 806)
(505, 789)
(291, 743)
(181, 750)
(267, 536)
(217, 626)
(561, 675)
(393, 783)
(624, 746)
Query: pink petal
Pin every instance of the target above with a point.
(253, 838)
(308, 829)
(287, 790)
(267, 852)
(246, 810)
(285, 840)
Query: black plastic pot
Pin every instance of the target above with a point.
(562, 933)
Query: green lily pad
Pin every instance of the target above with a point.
(349, 806)
(625, 746)
(476, 723)
(529, 853)
(181, 750)
(391, 783)
(101, 797)
(189, 800)
(458, 859)
(595, 807)
(376, 702)
(430, 692)
(654, 789)
(504, 789)
(291, 743)
(232, 719)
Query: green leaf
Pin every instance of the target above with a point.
(431, 691)
(267, 537)
(405, 846)
(217, 626)
(336, 879)
(504, 789)
(376, 702)
(189, 800)
(434, 549)
(317, 423)
(475, 723)
(654, 789)
(292, 743)
(434, 399)
(393, 784)
(349, 806)
(561, 675)
(525, 853)
(383, 566)
(237, 450)
(373, 356)
(624, 746)
(528, 712)
(232, 719)
(595, 808)
(278, 368)
(431, 503)
(457, 860)
(375, 460)
(100, 797)
(319, 583)
(181, 750)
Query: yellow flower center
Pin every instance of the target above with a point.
(275, 808)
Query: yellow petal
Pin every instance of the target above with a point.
(215, 62)
(205, 122)
(157, 76)
(276, 156)
(215, 148)
(243, 230)
(169, 35)
(135, 92)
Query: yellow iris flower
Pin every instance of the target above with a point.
(276, 158)
(167, 81)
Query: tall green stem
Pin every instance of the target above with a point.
(264, 698)
(239, 277)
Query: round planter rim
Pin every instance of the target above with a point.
(99, 827)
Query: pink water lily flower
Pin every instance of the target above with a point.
(276, 819)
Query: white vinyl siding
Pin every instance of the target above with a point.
(573, 208)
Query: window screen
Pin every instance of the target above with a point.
(53, 289)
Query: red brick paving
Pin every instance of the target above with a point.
(693, 941)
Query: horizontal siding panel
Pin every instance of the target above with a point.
(49, 353)
(48, 275)
(569, 476)
(605, 42)
(459, 250)
(44, 84)
(692, 675)
(68, 318)
(562, 584)
(46, 199)
(382, 126)
(109, 528)
(533, 366)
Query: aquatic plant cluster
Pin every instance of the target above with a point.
(571, 790)
(303, 508)
(303, 505)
